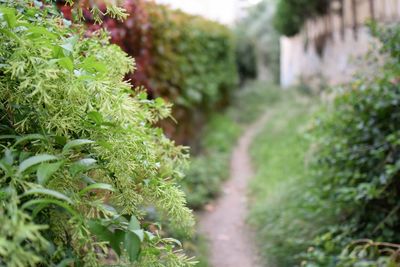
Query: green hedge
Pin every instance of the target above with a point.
(357, 165)
(193, 57)
(194, 65)
(81, 159)
(185, 59)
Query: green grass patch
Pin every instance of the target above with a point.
(280, 158)
(210, 168)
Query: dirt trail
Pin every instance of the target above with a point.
(231, 242)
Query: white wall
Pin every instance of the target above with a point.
(338, 61)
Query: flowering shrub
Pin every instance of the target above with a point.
(81, 159)
(185, 59)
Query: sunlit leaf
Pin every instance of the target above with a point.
(29, 137)
(48, 192)
(96, 187)
(46, 170)
(76, 143)
(44, 202)
(32, 161)
(66, 63)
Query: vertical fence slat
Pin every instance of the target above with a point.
(372, 9)
(342, 22)
(354, 17)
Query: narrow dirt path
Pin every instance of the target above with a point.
(231, 242)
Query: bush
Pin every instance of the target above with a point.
(284, 226)
(81, 157)
(245, 57)
(185, 59)
(357, 159)
(258, 43)
(209, 169)
(328, 215)
(291, 15)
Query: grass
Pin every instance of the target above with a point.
(210, 168)
(280, 158)
(252, 100)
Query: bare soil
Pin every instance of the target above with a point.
(231, 241)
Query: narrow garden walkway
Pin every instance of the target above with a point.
(231, 243)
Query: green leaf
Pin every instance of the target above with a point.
(142, 96)
(99, 230)
(96, 186)
(47, 202)
(8, 15)
(38, 31)
(48, 192)
(66, 263)
(57, 52)
(32, 161)
(117, 239)
(69, 44)
(66, 63)
(10, 34)
(173, 240)
(8, 157)
(149, 235)
(159, 102)
(38, 208)
(102, 233)
(29, 137)
(140, 234)
(9, 136)
(76, 143)
(96, 117)
(60, 140)
(92, 65)
(132, 245)
(82, 166)
(68, 47)
(6, 168)
(134, 224)
(46, 170)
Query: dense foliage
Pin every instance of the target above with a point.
(358, 158)
(291, 14)
(185, 59)
(245, 56)
(258, 43)
(210, 168)
(283, 226)
(343, 211)
(81, 159)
